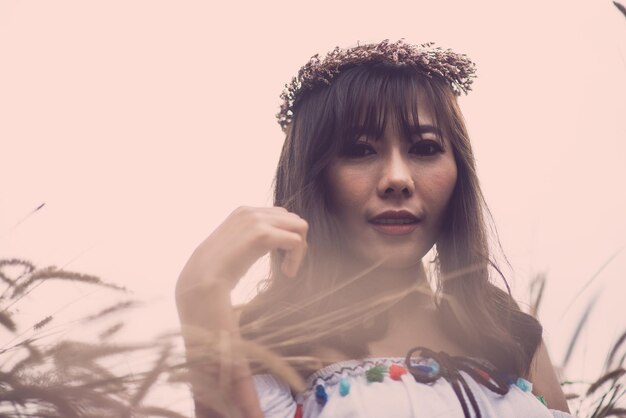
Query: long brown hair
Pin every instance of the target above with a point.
(474, 312)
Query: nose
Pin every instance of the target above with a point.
(396, 178)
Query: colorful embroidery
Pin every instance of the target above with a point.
(344, 386)
(396, 372)
(524, 384)
(425, 369)
(376, 373)
(320, 395)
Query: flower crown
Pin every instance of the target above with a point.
(457, 69)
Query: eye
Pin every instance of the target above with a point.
(358, 150)
(426, 148)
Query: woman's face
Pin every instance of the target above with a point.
(390, 195)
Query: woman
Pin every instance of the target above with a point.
(376, 170)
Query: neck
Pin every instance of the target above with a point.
(409, 286)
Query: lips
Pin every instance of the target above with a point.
(395, 222)
(394, 217)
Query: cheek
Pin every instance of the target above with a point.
(441, 186)
(348, 190)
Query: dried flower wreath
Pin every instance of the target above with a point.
(457, 69)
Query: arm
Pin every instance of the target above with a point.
(219, 372)
(222, 386)
(545, 381)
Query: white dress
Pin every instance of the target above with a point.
(342, 390)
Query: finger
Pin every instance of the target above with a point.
(268, 209)
(276, 216)
(293, 260)
(294, 257)
(289, 221)
(295, 224)
(272, 238)
(292, 243)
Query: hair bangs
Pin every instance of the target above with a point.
(367, 98)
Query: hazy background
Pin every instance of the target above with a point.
(143, 124)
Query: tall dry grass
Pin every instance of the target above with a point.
(604, 396)
(47, 377)
(69, 378)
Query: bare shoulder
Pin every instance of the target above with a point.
(545, 381)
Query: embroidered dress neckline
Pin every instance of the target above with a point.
(426, 367)
(343, 366)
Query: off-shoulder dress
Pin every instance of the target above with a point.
(389, 388)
